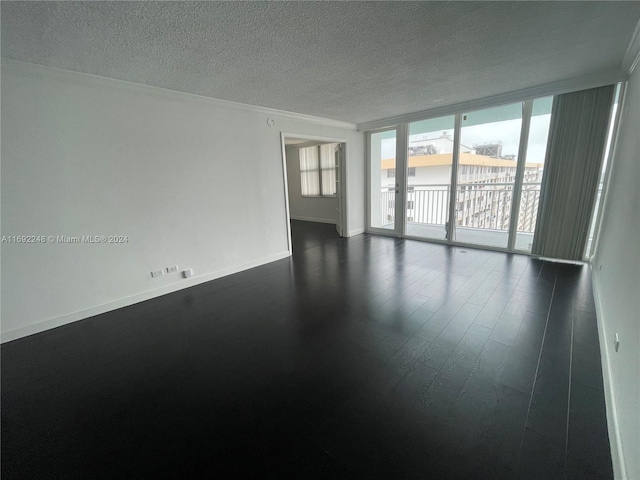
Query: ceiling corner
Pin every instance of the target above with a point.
(632, 55)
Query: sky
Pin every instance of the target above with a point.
(508, 132)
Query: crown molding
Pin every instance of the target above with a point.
(32, 70)
(599, 79)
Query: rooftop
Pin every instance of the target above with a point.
(465, 159)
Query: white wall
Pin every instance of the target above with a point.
(191, 181)
(315, 209)
(617, 288)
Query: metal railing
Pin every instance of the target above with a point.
(529, 201)
(387, 206)
(430, 204)
(479, 206)
(486, 206)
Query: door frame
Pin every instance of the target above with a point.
(343, 203)
(401, 181)
(339, 156)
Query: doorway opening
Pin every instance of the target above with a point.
(314, 172)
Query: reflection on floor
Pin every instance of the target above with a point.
(367, 357)
(472, 236)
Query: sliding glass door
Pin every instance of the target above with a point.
(429, 164)
(471, 178)
(486, 175)
(532, 175)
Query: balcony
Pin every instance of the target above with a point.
(482, 213)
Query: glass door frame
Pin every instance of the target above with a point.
(453, 184)
(402, 134)
(527, 110)
(402, 143)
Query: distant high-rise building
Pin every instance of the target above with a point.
(485, 184)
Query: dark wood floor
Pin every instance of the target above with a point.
(367, 357)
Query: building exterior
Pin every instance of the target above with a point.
(484, 192)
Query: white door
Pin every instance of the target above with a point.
(339, 159)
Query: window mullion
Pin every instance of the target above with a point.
(320, 170)
(522, 159)
(454, 176)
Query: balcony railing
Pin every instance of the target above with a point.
(480, 206)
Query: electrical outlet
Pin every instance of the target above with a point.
(172, 269)
(616, 342)
(156, 273)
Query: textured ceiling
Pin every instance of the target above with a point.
(349, 61)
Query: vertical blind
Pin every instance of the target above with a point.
(309, 171)
(327, 165)
(572, 169)
(318, 171)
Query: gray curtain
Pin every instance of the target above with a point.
(573, 163)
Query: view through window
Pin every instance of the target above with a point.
(486, 177)
(383, 179)
(534, 168)
(497, 195)
(318, 170)
(430, 156)
(489, 142)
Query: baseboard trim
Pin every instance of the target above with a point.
(357, 231)
(140, 297)
(313, 219)
(617, 456)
